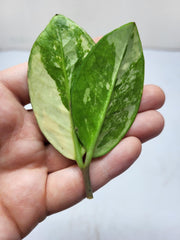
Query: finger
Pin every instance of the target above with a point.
(97, 39)
(147, 125)
(66, 187)
(153, 98)
(15, 79)
(56, 161)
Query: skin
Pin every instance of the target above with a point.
(36, 180)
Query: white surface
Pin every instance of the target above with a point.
(158, 21)
(144, 202)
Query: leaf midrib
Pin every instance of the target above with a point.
(64, 70)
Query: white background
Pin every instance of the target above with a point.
(144, 202)
(158, 20)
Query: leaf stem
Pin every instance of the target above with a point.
(87, 182)
(83, 165)
(89, 155)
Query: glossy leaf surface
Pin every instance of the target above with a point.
(56, 54)
(107, 90)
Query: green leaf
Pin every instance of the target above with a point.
(85, 96)
(107, 90)
(56, 54)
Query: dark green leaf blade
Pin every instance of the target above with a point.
(96, 97)
(125, 99)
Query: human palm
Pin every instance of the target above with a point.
(36, 180)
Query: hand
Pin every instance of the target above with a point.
(36, 180)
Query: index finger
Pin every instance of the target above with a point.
(15, 79)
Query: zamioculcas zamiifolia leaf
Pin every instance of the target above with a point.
(107, 91)
(57, 52)
(85, 96)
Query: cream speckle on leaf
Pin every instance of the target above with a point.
(87, 96)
